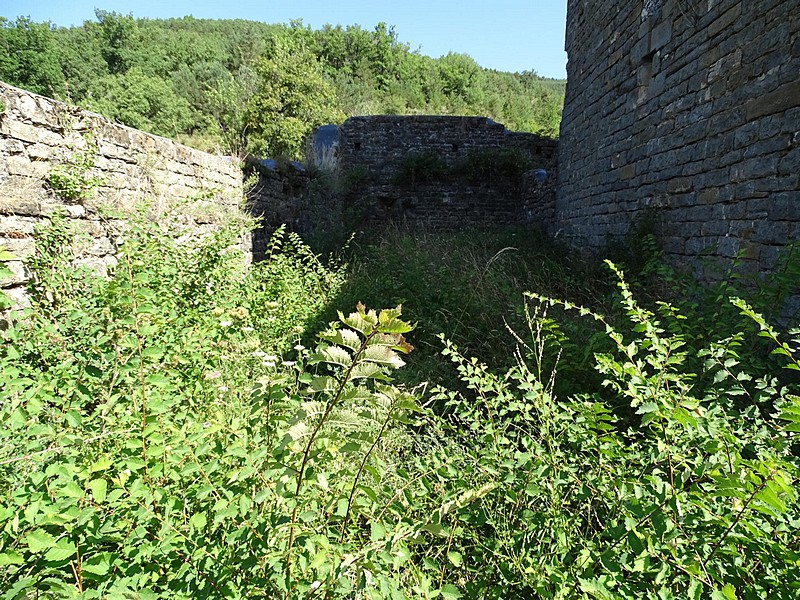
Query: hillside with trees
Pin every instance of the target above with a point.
(248, 87)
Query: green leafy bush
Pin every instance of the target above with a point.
(698, 499)
(490, 165)
(73, 180)
(493, 164)
(165, 436)
(5, 273)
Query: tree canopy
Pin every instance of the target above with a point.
(247, 87)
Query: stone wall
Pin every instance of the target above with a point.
(280, 197)
(374, 152)
(691, 109)
(38, 134)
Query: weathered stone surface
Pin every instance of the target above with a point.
(785, 97)
(17, 226)
(714, 144)
(38, 133)
(19, 274)
(20, 206)
(22, 166)
(379, 145)
(21, 247)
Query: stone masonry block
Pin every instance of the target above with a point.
(725, 20)
(20, 247)
(661, 35)
(754, 168)
(790, 163)
(29, 133)
(24, 167)
(10, 205)
(19, 274)
(785, 97)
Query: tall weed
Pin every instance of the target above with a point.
(166, 436)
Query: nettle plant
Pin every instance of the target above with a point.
(73, 179)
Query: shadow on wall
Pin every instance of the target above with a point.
(431, 172)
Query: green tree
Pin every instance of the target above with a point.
(82, 62)
(228, 100)
(291, 99)
(141, 101)
(28, 56)
(462, 77)
(255, 86)
(119, 37)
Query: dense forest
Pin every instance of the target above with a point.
(248, 87)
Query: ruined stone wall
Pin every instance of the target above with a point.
(373, 153)
(690, 108)
(38, 134)
(280, 198)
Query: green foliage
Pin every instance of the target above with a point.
(142, 101)
(461, 78)
(116, 391)
(72, 180)
(421, 167)
(483, 165)
(5, 273)
(28, 56)
(355, 177)
(492, 164)
(292, 97)
(698, 500)
(166, 436)
(119, 38)
(475, 281)
(228, 100)
(243, 86)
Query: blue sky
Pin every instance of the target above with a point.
(509, 35)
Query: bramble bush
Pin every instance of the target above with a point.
(167, 436)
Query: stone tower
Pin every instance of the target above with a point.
(688, 107)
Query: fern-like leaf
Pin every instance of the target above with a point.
(363, 321)
(323, 384)
(336, 355)
(342, 337)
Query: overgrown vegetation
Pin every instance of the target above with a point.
(176, 431)
(249, 87)
(485, 165)
(72, 179)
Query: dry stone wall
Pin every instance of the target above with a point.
(688, 108)
(374, 152)
(38, 134)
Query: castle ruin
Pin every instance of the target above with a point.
(689, 111)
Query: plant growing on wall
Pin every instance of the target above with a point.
(421, 167)
(73, 180)
(5, 272)
(489, 164)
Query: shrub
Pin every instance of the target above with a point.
(73, 180)
(697, 500)
(420, 167)
(493, 164)
(164, 439)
